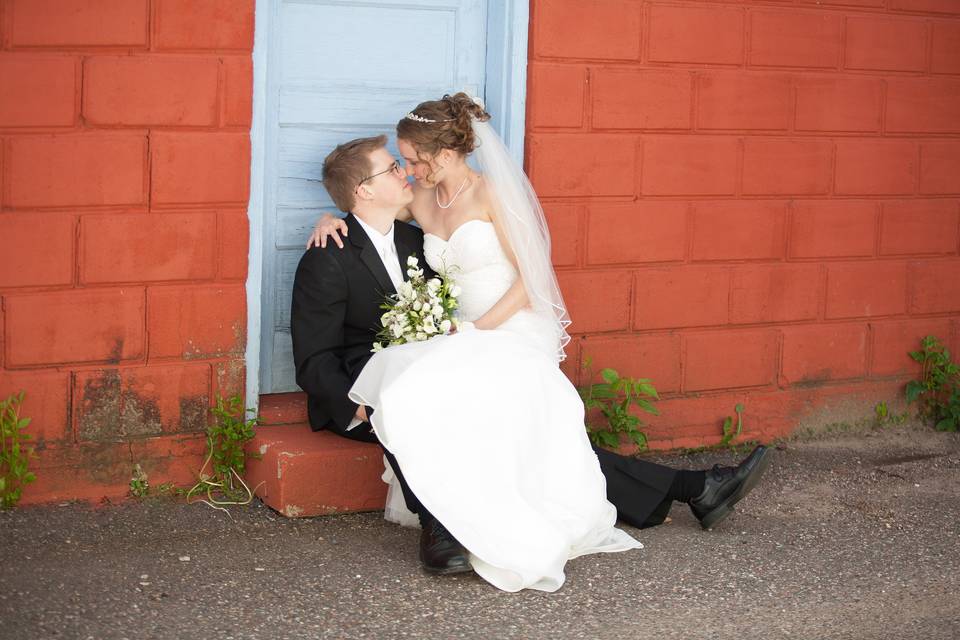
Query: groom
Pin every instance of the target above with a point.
(336, 310)
(335, 318)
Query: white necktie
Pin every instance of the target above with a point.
(392, 262)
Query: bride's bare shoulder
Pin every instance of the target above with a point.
(483, 196)
(421, 207)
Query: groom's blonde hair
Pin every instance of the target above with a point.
(346, 166)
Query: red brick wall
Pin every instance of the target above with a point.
(752, 202)
(124, 160)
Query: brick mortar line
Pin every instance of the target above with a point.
(6, 26)
(825, 323)
(732, 68)
(153, 9)
(809, 6)
(630, 199)
(777, 134)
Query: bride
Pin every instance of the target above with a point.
(496, 448)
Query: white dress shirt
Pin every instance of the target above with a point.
(387, 251)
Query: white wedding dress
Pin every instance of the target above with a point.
(489, 433)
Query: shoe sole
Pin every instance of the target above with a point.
(446, 571)
(725, 508)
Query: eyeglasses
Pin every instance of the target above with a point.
(395, 167)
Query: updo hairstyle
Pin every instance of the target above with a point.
(442, 124)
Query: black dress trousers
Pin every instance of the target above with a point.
(637, 488)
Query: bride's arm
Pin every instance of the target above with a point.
(514, 299)
(332, 227)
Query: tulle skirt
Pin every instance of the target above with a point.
(489, 435)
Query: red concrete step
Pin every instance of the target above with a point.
(305, 473)
(283, 408)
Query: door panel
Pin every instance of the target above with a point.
(340, 70)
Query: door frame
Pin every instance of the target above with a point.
(506, 92)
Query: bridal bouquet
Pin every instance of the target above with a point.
(420, 310)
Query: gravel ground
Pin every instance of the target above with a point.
(849, 536)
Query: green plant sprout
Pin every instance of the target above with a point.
(227, 436)
(884, 418)
(14, 456)
(139, 483)
(938, 389)
(614, 397)
(729, 433)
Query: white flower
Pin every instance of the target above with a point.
(377, 347)
(420, 309)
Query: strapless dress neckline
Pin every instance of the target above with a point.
(457, 230)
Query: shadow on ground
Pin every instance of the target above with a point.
(850, 536)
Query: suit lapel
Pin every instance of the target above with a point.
(368, 254)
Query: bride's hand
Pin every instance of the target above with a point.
(328, 227)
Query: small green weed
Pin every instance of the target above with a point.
(729, 433)
(886, 419)
(614, 397)
(229, 432)
(170, 489)
(938, 389)
(139, 483)
(14, 456)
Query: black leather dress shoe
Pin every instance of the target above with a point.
(440, 552)
(725, 486)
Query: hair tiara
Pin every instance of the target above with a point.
(416, 118)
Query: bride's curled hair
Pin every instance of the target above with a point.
(442, 124)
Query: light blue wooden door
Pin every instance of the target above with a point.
(339, 70)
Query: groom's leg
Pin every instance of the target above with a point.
(643, 491)
(439, 551)
(640, 490)
(413, 504)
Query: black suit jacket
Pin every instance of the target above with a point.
(335, 317)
